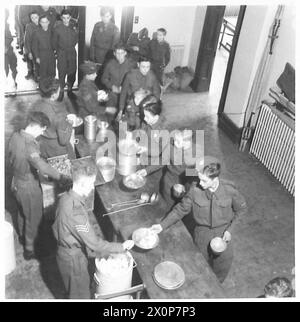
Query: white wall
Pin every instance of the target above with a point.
(177, 20)
(252, 40)
(196, 36)
(284, 48)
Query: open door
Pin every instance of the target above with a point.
(208, 46)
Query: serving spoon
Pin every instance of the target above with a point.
(153, 199)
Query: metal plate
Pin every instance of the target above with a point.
(168, 275)
(134, 181)
(144, 238)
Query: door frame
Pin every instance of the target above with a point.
(231, 59)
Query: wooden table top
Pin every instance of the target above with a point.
(175, 244)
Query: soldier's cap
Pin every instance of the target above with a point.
(202, 163)
(89, 67)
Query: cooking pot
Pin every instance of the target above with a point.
(127, 158)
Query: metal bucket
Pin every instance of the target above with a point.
(107, 282)
(127, 158)
(90, 127)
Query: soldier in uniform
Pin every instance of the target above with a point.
(25, 160)
(55, 140)
(142, 77)
(76, 237)
(51, 13)
(30, 31)
(104, 37)
(114, 74)
(159, 52)
(87, 96)
(215, 205)
(138, 43)
(64, 41)
(10, 57)
(42, 49)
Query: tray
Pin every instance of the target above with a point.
(168, 275)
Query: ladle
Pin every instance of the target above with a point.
(153, 199)
(143, 198)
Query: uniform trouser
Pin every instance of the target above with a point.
(30, 199)
(11, 62)
(66, 65)
(220, 264)
(31, 66)
(47, 65)
(158, 71)
(73, 267)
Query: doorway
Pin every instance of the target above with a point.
(17, 20)
(217, 49)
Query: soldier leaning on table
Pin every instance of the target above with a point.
(115, 72)
(26, 163)
(76, 237)
(215, 205)
(139, 78)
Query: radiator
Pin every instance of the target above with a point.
(176, 57)
(274, 145)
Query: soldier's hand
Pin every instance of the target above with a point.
(30, 56)
(227, 236)
(128, 244)
(38, 61)
(142, 172)
(157, 228)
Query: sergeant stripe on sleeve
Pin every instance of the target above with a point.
(83, 228)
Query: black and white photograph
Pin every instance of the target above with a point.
(149, 151)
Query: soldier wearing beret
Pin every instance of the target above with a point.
(104, 37)
(216, 206)
(87, 96)
(25, 160)
(76, 237)
(65, 38)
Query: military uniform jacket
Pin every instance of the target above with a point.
(87, 96)
(72, 229)
(114, 72)
(159, 52)
(52, 15)
(25, 160)
(103, 38)
(41, 44)
(59, 128)
(135, 80)
(213, 210)
(64, 38)
(30, 31)
(142, 43)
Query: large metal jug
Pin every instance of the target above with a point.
(90, 128)
(127, 156)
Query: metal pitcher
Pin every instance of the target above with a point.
(90, 127)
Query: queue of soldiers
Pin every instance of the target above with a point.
(134, 95)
